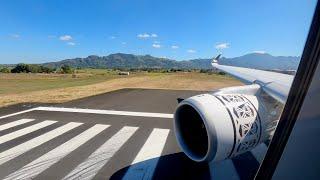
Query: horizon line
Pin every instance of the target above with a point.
(52, 61)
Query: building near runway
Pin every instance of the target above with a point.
(124, 73)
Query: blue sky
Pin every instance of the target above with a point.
(40, 31)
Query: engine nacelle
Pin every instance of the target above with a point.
(220, 126)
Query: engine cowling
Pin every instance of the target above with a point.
(213, 127)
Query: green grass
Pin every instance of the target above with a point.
(21, 83)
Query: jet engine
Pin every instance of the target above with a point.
(217, 126)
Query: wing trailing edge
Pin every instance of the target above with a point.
(277, 85)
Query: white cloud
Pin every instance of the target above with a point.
(124, 43)
(16, 36)
(175, 47)
(143, 36)
(146, 36)
(221, 46)
(156, 42)
(259, 52)
(156, 45)
(65, 38)
(191, 51)
(112, 37)
(71, 43)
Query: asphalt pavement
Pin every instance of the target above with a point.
(124, 134)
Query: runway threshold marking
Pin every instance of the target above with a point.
(25, 131)
(88, 168)
(28, 145)
(150, 151)
(15, 123)
(45, 161)
(17, 113)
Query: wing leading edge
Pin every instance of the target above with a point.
(275, 84)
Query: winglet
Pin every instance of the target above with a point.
(215, 60)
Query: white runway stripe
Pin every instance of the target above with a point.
(14, 123)
(17, 113)
(109, 112)
(26, 146)
(223, 170)
(89, 168)
(43, 162)
(259, 152)
(142, 167)
(24, 131)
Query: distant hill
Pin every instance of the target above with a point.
(264, 61)
(120, 60)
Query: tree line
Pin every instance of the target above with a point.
(34, 68)
(66, 69)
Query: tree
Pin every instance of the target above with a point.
(31, 68)
(21, 68)
(66, 69)
(4, 70)
(203, 70)
(44, 69)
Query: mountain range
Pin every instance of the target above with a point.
(121, 60)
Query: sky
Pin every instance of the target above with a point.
(41, 30)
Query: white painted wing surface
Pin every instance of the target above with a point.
(275, 84)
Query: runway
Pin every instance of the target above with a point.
(125, 134)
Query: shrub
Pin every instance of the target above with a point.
(21, 68)
(46, 69)
(65, 69)
(4, 70)
(31, 68)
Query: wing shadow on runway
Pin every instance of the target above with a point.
(173, 166)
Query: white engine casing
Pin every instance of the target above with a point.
(213, 127)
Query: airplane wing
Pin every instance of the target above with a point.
(233, 120)
(277, 85)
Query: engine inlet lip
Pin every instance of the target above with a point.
(210, 130)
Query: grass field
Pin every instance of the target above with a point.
(22, 83)
(56, 88)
